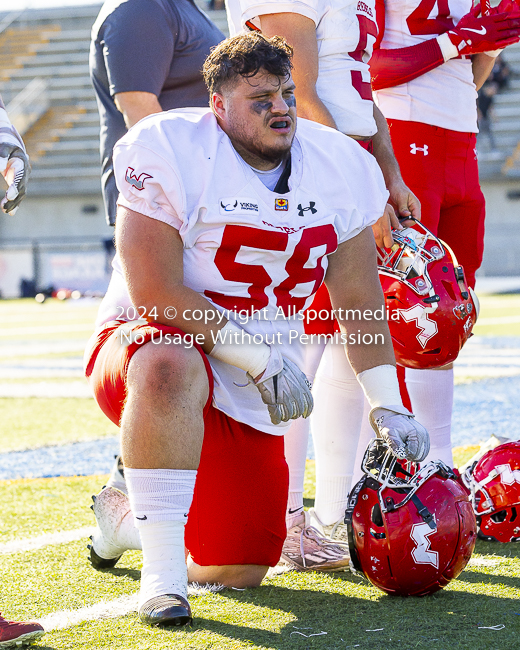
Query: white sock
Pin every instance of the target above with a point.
(335, 425)
(160, 500)
(431, 394)
(164, 566)
(296, 441)
(160, 494)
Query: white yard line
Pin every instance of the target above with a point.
(22, 332)
(50, 539)
(498, 320)
(108, 609)
(46, 389)
(484, 372)
(105, 609)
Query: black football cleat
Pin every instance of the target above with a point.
(115, 532)
(100, 563)
(167, 610)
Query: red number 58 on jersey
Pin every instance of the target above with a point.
(258, 277)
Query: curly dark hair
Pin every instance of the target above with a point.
(243, 56)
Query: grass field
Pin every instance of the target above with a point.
(45, 577)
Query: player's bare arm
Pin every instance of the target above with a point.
(402, 198)
(300, 32)
(353, 284)
(481, 64)
(151, 255)
(135, 105)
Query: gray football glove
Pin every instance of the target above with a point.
(284, 389)
(14, 167)
(398, 428)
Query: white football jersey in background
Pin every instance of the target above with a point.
(445, 96)
(245, 246)
(346, 31)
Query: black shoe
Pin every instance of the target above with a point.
(100, 563)
(166, 610)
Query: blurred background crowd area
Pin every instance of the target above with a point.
(59, 238)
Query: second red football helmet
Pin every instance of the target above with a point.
(409, 534)
(431, 311)
(494, 482)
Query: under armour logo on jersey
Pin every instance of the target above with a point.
(414, 149)
(422, 553)
(509, 476)
(310, 207)
(419, 314)
(136, 181)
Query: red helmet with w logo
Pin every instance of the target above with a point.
(431, 310)
(409, 534)
(494, 482)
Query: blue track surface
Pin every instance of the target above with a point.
(77, 459)
(481, 408)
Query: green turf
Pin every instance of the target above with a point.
(40, 582)
(346, 607)
(54, 578)
(462, 454)
(27, 422)
(32, 507)
(498, 307)
(45, 380)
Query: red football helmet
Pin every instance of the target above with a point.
(409, 534)
(494, 482)
(431, 311)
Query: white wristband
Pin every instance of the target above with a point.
(494, 53)
(236, 347)
(449, 51)
(381, 386)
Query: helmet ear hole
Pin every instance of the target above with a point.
(499, 517)
(377, 517)
(449, 289)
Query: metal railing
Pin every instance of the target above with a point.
(29, 105)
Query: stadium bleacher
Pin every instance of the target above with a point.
(63, 143)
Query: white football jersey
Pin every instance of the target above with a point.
(445, 96)
(346, 31)
(245, 247)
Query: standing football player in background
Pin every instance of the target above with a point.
(146, 56)
(332, 44)
(429, 61)
(14, 167)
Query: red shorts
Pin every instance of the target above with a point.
(444, 177)
(238, 510)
